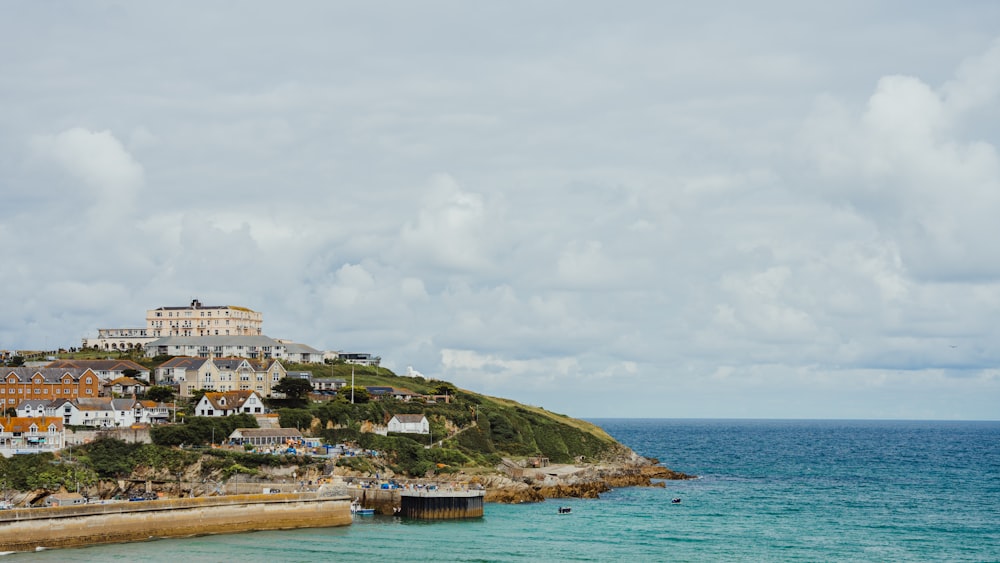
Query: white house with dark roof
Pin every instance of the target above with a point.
(409, 424)
(229, 402)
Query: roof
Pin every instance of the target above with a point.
(212, 341)
(23, 423)
(127, 382)
(233, 399)
(200, 307)
(231, 363)
(268, 432)
(186, 362)
(296, 348)
(50, 375)
(33, 403)
(409, 418)
(98, 365)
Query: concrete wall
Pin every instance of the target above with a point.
(73, 526)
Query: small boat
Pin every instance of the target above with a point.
(565, 510)
(359, 511)
(675, 500)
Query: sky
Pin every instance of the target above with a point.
(629, 209)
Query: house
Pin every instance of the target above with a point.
(106, 370)
(409, 424)
(124, 386)
(188, 374)
(229, 402)
(21, 383)
(376, 392)
(64, 499)
(245, 374)
(265, 436)
(22, 435)
(33, 408)
(327, 384)
(253, 347)
(301, 353)
(99, 412)
(151, 412)
(361, 359)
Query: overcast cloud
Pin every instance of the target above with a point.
(650, 209)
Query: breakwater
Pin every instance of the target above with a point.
(443, 505)
(28, 529)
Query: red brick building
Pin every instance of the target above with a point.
(46, 383)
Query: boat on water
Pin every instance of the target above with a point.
(675, 500)
(565, 510)
(357, 510)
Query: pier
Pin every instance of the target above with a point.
(27, 529)
(441, 505)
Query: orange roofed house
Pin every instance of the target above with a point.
(46, 383)
(24, 435)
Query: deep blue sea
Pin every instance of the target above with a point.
(769, 490)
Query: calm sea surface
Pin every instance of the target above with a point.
(769, 491)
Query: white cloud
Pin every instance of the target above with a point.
(96, 158)
(755, 222)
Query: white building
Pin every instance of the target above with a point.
(409, 424)
(20, 435)
(192, 320)
(230, 402)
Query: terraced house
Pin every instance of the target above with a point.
(107, 370)
(20, 435)
(220, 374)
(23, 383)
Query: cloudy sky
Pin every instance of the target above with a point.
(628, 209)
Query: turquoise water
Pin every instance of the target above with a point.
(769, 491)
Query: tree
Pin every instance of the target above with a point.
(16, 361)
(295, 418)
(160, 393)
(444, 389)
(295, 390)
(360, 394)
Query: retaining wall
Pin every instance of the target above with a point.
(73, 526)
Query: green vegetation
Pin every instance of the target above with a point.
(469, 430)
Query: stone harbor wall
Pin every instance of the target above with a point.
(73, 526)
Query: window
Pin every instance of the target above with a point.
(89, 381)
(90, 391)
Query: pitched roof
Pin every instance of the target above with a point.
(268, 432)
(23, 423)
(50, 375)
(186, 362)
(126, 382)
(409, 418)
(212, 341)
(228, 400)
(98, 365)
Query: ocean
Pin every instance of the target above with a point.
(768, 490)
